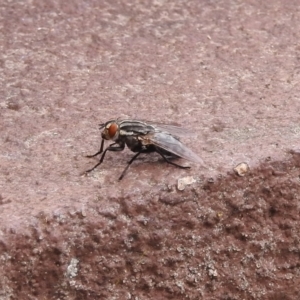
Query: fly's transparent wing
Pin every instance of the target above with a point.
(173, 145)
(172, 129)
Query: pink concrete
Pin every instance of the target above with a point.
(227, 70)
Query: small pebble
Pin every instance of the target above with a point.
(184, 181)
(242, 169)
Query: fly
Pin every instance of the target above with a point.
(144, 137)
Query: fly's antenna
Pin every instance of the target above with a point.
(102, 125)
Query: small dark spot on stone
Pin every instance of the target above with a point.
(272, 211)
(266, 191)
(278, 173)
(218, 126)
(13, 106)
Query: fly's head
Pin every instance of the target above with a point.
(110, 130)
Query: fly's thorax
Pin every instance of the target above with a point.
(134, 128)
(111, 131)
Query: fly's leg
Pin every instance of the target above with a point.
(147, 151)
(170, 162)
(100, 151)
(139, 150)
(129, 163)
(109, 148)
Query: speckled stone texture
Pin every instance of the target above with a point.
(227, 70)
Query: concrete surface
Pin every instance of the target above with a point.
(228, 71)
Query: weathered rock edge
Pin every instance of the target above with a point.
(226, 238)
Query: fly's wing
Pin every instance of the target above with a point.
(170, 143)
(172, 129)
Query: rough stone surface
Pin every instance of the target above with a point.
(229, 71)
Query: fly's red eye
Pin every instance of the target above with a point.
(112, 129)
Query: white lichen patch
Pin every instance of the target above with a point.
(72, 269)
(184, 181)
